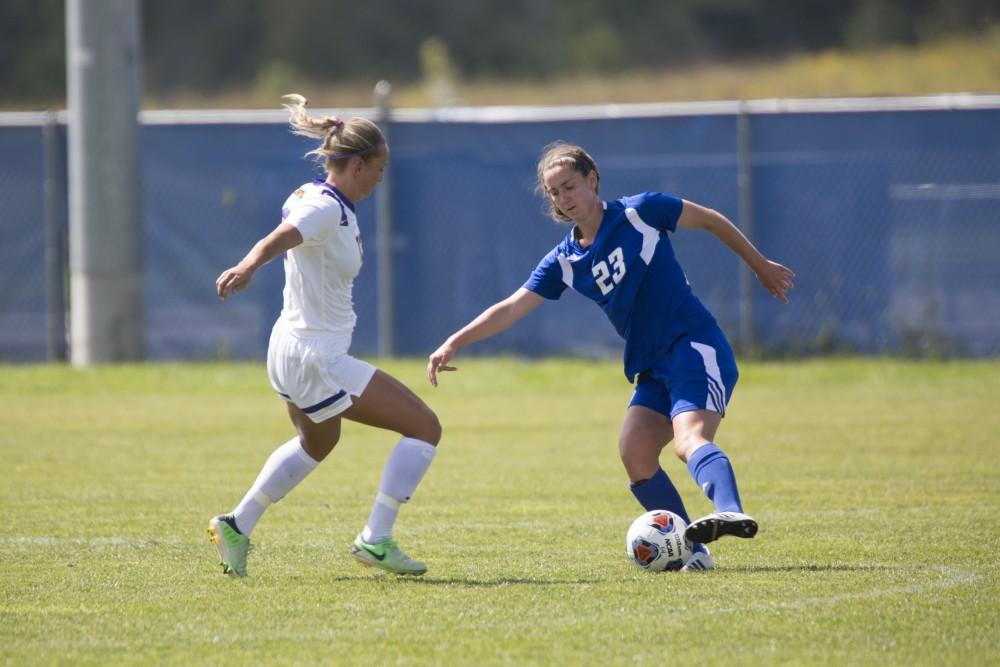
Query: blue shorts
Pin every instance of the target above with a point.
(698, 373)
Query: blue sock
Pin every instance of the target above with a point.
(659, 493)
(714, 474)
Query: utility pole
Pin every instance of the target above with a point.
(103, 63)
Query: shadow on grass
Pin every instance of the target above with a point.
(519, 581)
(810, 567)
(495, 583)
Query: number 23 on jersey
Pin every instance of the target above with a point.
(605, 277)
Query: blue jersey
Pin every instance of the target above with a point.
(631, 271)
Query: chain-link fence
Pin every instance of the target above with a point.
(889, 213)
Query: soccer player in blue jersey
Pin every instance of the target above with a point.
(618, 254)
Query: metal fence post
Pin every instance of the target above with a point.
(744, 180)
(55, 237)
(383, 235)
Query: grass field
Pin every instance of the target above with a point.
(877, 485)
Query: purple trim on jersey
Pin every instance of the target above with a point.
(335, 193)
(322, 404)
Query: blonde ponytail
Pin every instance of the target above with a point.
(305, 125)
(339, 140)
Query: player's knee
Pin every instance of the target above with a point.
(318, 447)
(433, 429)
(429, 428)
(685, 445)
(636, 457)
(639, 467)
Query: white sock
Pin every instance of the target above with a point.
(403, 471)
(285, 468)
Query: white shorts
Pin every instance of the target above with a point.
(316, 374)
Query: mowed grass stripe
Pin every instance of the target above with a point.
(876, 484)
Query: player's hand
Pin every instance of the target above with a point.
(232, 280)
(776, 279)
(438, 361)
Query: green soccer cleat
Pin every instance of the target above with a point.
(232, 544)
(387, 555)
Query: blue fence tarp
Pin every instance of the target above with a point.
(891, 219)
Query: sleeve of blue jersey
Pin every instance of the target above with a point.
(658, 210)
(546, 280)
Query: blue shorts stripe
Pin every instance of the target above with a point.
(322, 404)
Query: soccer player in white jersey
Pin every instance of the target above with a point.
(618, 254)
(307, 359)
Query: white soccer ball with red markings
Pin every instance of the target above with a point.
(656, 542)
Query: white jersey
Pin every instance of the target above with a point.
(319, 273)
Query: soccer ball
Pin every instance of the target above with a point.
(656, 542)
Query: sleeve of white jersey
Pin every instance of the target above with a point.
(315, 223)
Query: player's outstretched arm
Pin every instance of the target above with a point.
(498, 317)
(282, 239)
(776, 278)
